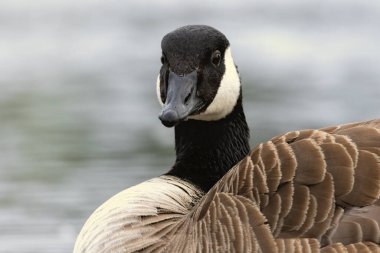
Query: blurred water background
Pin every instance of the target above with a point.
(78, 110)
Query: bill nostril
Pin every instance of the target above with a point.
(187, 98)
(188, 95)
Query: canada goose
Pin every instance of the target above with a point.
(299, 192)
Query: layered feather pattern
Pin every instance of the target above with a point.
(304, 191)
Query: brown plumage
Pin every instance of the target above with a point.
(297, 192)
(304, 184)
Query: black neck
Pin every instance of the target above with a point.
(206, 150)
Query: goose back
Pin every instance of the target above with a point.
(297, 192)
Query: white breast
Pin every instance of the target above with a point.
(127, 221)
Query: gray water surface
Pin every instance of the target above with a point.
(78, 110)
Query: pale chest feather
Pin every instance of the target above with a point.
(136, 217)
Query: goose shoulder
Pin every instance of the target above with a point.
(295, 193)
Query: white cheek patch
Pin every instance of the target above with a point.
(227, 94)
(158, 83)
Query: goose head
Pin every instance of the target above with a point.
(198, 79)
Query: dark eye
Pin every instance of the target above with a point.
(163, 59)
(215, 58)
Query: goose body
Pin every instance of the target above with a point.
(304, 191)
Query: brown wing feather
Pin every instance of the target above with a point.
(298, 183)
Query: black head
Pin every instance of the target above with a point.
(198, 79)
